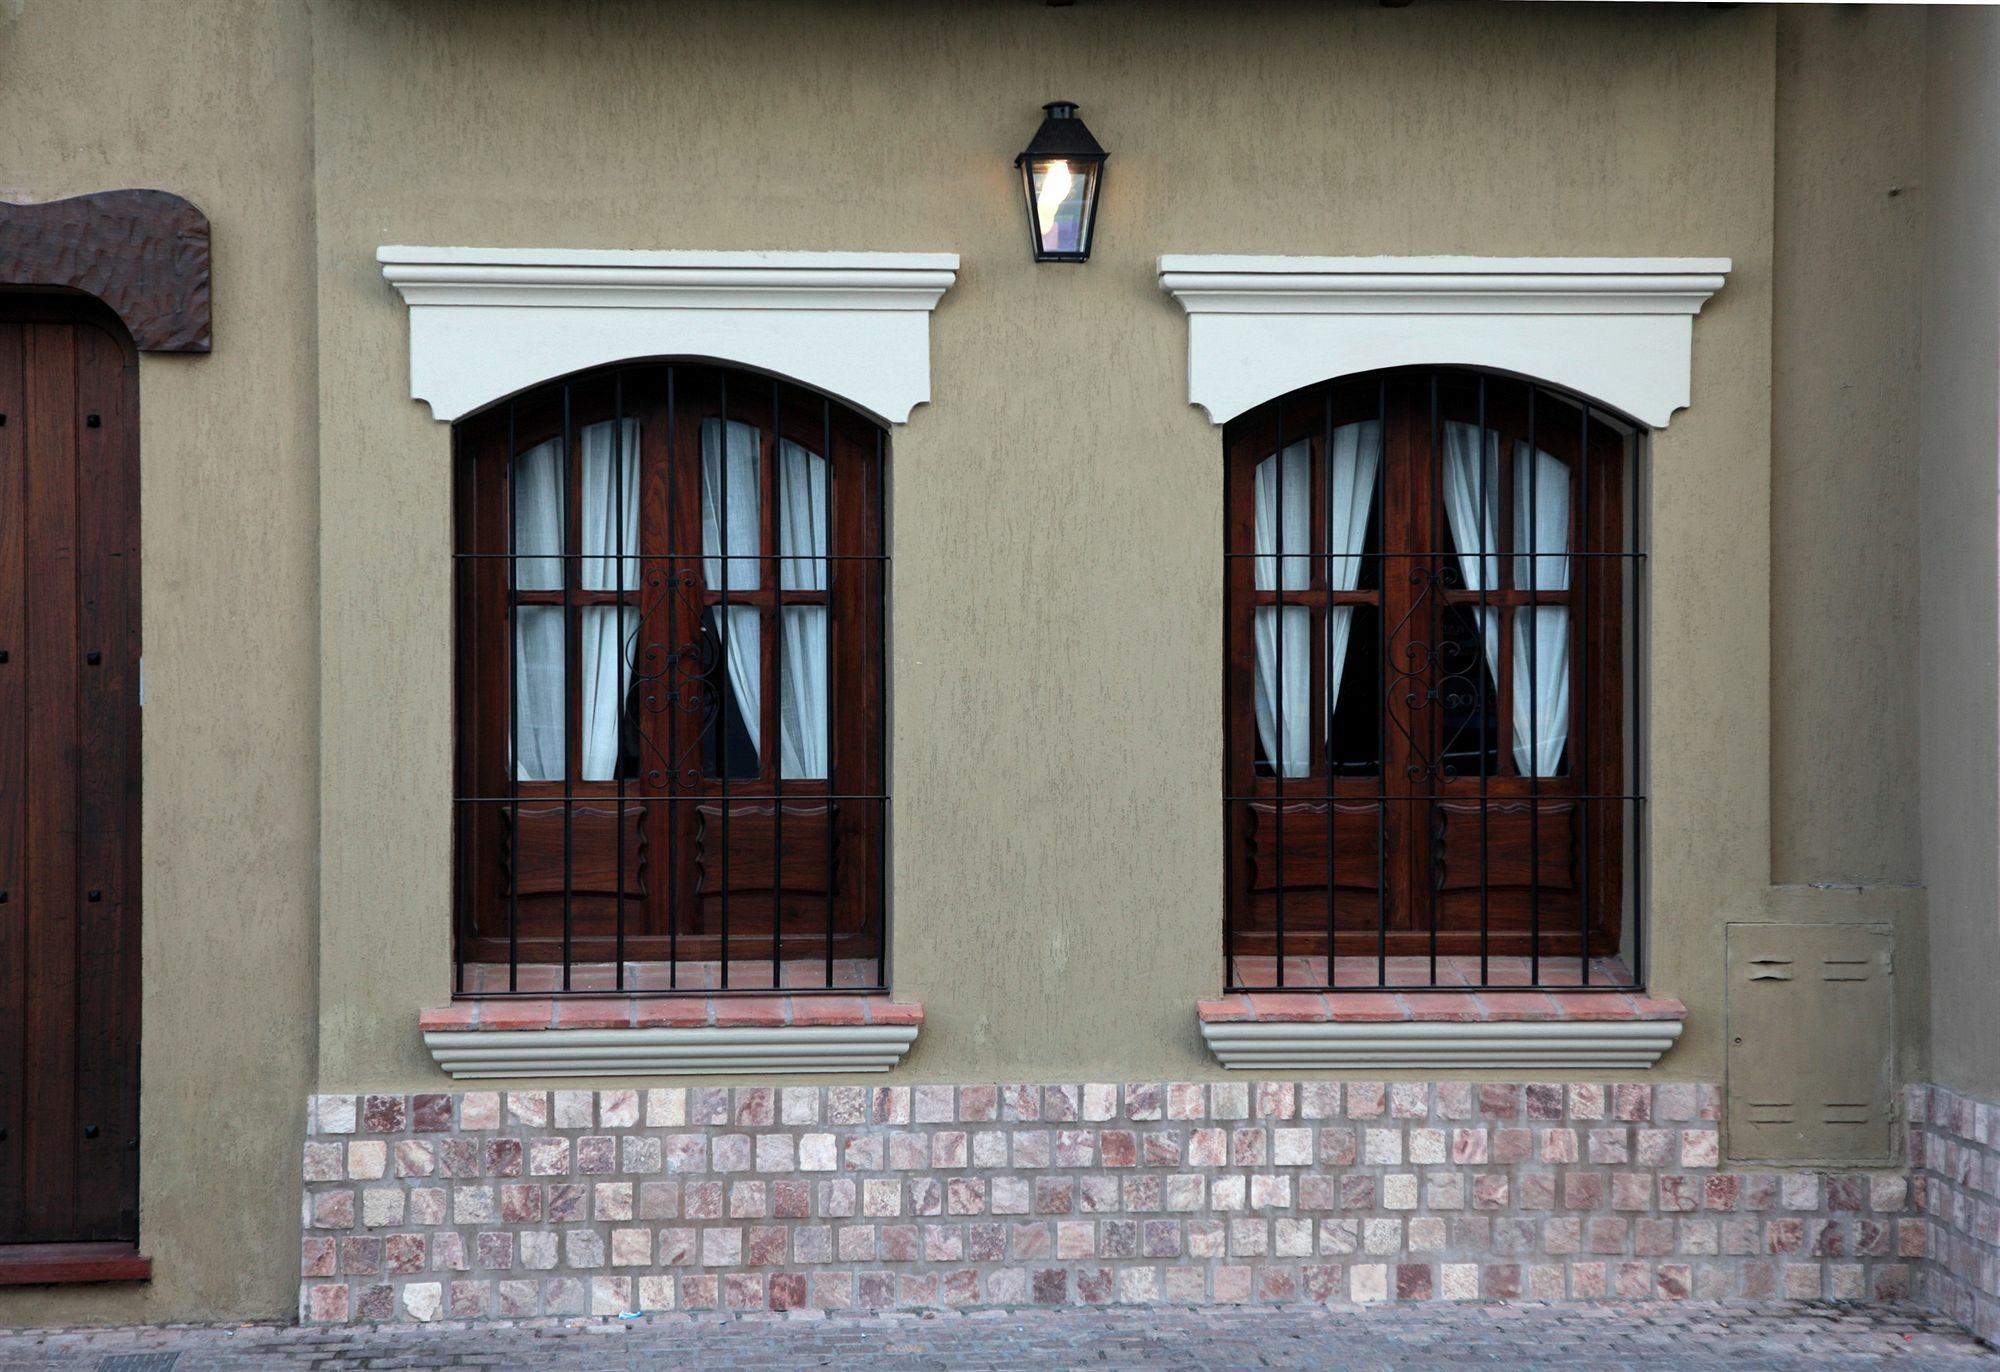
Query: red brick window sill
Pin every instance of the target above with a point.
(1441, 1007)
(669, 1012)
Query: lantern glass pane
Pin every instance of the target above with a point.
(1062, 192)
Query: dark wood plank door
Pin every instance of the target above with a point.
(69, 775)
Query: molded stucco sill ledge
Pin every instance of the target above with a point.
(1264, 1030)
(670, 1035)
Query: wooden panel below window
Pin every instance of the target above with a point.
(1518, 845)
(740, 852)
(1289, 845)
(586, 850)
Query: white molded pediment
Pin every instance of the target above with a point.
(1619, 330)
(486, 323)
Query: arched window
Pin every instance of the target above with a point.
(1431, 603)
(670, 687)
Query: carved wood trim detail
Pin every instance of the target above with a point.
(143, 253)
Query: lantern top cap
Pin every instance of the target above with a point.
(1062, 135)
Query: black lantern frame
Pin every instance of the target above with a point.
(1062, 142)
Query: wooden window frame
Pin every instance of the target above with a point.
(1394, 866)
(696, 870)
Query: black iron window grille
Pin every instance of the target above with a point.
(1433, 597)
(670, 585)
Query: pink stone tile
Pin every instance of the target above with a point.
(431, 1113)
(327, 1303)
(318, 1257)
(383, 1114)
(361, 1256)
(1631, 1102)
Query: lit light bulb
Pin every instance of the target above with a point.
(1056, 183)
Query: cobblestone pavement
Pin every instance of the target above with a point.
(1694, 1335)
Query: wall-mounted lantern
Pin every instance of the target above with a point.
(1061, 171)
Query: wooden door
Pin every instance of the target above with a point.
(69, 775)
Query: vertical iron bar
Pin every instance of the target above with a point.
(1580, 780)
(878, 560)
(1636, 471)
(618, 618)
(1535, 689)
(1330, 699)
(728, 633)
(1278, 681)
(1437, 542)
(569, 773)
(670, 774)
(465, 525)
(1480, 673)
(1382, 703)
(513, 627)
(826, 450)
(1489, 570)
(777, 710)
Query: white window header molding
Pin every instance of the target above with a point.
(486, 323)
(1619, 330)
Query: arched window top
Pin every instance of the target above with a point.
(671, 581)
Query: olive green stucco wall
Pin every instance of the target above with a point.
(1961, 471)
(1056, 897)
(1850, 198)
(1056, 510)
(210, 101)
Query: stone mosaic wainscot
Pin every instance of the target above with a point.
(1955, 1185)
(490, 1204)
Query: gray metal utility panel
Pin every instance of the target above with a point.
(1811, 1043)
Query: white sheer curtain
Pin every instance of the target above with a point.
(1283, 499)
(730, 523)
(610, 519)
(1283, 673)
(1350, 495)
(541, 694)
(1541, 635)
(1539, 720)
(540, 727)
(802, 686)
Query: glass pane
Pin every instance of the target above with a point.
(610, 505)
(1468, 694)
(729, 736)
(1355, 453)
(802, 693)
(541, 693)
(1471, 498)
(1541, 521)
(1283, 689)
(730, 507)
(801, 518)
(1284, 519)
(609, 635)
(538, 517)
(1062, 203)
(1541, 690)
(1354, 671)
